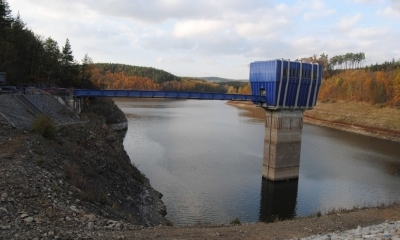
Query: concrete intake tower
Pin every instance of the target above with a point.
(289, 89)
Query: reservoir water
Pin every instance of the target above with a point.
(206, 158)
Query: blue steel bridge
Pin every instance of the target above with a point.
(166, 94)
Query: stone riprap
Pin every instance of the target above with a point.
(387, 230)
(15, 112)
(52, 108)
(21, 109)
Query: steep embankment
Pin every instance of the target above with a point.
(78, 182)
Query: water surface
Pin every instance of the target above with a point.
(206, 158)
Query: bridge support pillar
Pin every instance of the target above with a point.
(282, 144)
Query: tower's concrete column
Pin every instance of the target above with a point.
(282, 144)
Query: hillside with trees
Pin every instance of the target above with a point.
(346, 79)
(121, 76)
(158, 76)
(363, 85)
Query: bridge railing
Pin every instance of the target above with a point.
(166, 94)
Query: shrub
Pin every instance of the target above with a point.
(168, 223)
(235, 221)
(319, 214)
(39, 162)
(44, 127)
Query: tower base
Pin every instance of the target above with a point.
(282, 144)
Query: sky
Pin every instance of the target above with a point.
(201, 38)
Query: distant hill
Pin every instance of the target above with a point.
(221, 80)
(157, 75)
(122, 76)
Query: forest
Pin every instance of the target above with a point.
(375, 84)
(28, 58)
(121, 76)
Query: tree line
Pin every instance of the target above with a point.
(121, 76)
(342, 61)
(158, 76)
(27, 57)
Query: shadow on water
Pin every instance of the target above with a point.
(253, 114)
(278, 200)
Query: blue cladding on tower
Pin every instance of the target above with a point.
(285, 84)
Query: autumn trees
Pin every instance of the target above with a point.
(380, 87)
(120, 76)
(157, 75)
(346, 79)
(396, 88)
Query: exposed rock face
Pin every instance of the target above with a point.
(119, 126)
(81, 180)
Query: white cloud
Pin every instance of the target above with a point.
(316, 9)
(193, 28)
(396, 5)
(369, 33)
(347, 23)
(372, 2)
(309, 16)
(192, 37)
(366, 1)
(266, 25)
(160, 59)
(389, 12)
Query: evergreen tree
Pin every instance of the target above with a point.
(51, 59)
(86, 72)
(67, 58)
(67, 61)
(5, 29)
(5, 15)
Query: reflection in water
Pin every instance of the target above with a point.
(254, 114)
(206, 158)
(151, 106)
(278, 200)
(392, 168)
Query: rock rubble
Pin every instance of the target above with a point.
(387, 230)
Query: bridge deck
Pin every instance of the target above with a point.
(166, 94)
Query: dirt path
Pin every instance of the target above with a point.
(290, 229)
